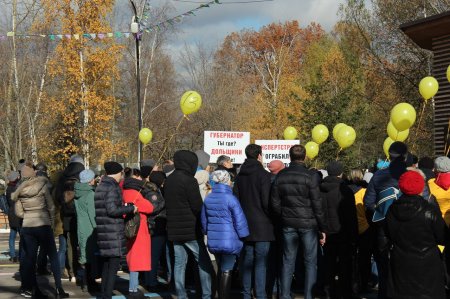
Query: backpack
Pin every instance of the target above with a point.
(132, 226)
(385, 199)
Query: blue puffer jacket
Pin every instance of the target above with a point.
(223, 221)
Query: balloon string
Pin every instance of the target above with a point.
(418, 124)
(166, 146)
(339, 151)
(447, 146)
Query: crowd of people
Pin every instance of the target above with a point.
(333, 232)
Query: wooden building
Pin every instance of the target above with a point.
(433, 33)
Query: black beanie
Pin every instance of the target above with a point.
(157, 178)
(112, 167)
(426, 163)
(397, 149)
(145, 171)
(334, 168)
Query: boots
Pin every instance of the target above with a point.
(83, 278)
(225, 285)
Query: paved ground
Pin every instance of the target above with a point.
(9, 283)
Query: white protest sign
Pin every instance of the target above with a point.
(276, 150)
(232, 144)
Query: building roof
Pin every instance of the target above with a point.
(423, 31)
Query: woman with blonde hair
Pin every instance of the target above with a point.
(365, 233)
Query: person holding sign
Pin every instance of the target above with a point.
(252, 188)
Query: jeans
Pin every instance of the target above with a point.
(198, 250)
(134, 281)
(169, 260)
(254, 260)
(72, 252)
(158, 245)
(291, 238)
(62, 252)
(33, 238)
(225, 262)
(12, 241)
(110, 268)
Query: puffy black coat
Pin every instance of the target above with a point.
(339, 207)
(66, 181)
(415, 228)
(109, 217)
(14, 221)
(183, 199)
(295, 198)
(252, 188)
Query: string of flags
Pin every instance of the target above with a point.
(53, 37)
(144, 27)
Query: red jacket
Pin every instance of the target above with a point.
(139, 252)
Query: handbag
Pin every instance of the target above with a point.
(132, 225)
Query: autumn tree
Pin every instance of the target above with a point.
(83, 68)
(269, 61)
(393, 60)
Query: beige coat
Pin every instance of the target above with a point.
(34, 203)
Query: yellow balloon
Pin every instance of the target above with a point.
(290, 133)
(403, 116)
(312, 149)
(336, 129)
(386, 145)
(448, 73)
(346, 136)
(320, 134)
(428, 87)
(395, 135)
(191, 101)
(145, 135)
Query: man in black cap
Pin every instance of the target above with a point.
(342, 224)
(109, 211)
(384, 183)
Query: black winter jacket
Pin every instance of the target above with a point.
(295, 198)
(183, 199)
(252, 188)
(415, 228)
(339, 207)
(14, 221)
(66, 181)
(109, 213)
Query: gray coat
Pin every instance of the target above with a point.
(34, 203)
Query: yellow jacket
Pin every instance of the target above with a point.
(363, 225)
(442, 198)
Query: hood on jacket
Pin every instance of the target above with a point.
(132, 183)
(30, 188)
(358, 185)
(397, 168)
(202, 177)
(407, 207)
(250, 166)
(185, 160)
(330, 183)
(73, 170)
(443, 180)
(81, 189)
